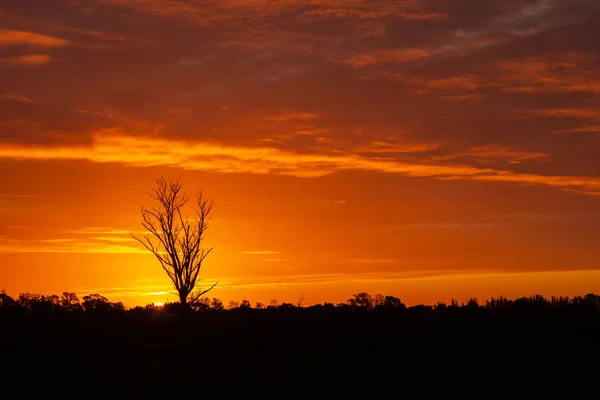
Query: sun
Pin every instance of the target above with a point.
(159, 304)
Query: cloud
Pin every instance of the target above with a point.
(388, 56)
(65, 246)
(551, 72)
(496, 152)
(422, 16)
(370, 261)
(406, 147)
(443, 226)
(333, 278)
(291, 116)
(169, 8)
(113, 239)
(179, 111)
(128, 291)
(583, 113)
(16, 97)
(30, 60)
(583, 129)
(555, 72)
(10, 37)
(463, 82)
(103, 231)
(20, 196)
(261, 252)
(463, 97)
(147, 152)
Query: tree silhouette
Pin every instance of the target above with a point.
(95, 303)
(233, 305)
(70, 302)
(5, 299)
(216, 305)
(245, 304)
(29, 300)
(362, 300)
(175, 240)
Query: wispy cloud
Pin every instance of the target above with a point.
(30, 60)
(20, 196)
(443, 226)
(584, 113)
(10, 37)
(422, 16)
(261, 252)
(554, 72)
(16, 97)
(66, 246)
(371, 261)
(582, 129)
(291, 116)
(146, 152)
(99, 231)
(388, 56)
(113, 239)
(495, 152)
(179, 111)
(128, 291)
(403, 147)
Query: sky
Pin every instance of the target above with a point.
(426, 149)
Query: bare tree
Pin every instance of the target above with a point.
(301, 300)
(176, 240)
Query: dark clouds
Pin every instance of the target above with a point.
(463, 76)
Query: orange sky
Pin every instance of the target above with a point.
(427, 149)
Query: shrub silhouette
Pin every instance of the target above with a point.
(36, 306)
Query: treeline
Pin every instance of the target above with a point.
(30, 306)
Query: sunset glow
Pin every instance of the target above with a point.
(418, 148)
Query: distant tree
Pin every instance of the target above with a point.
(362, 300)
(96, 303)
(273, 303)
(259, 305)
(560, 301)
(391, 302)
(176, 240)
(70, 302)
(301, 300)
(498, 303)
(216, 305)
(472, 303)
(378, 300)
(593, 300)
(29, 300)
(245, 304)
(233, 305)
(38, 305)
(202, 304)
(5, 299)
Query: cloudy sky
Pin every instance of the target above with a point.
(427, 149)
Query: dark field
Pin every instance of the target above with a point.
(306, 353)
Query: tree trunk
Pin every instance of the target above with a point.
(183, 300)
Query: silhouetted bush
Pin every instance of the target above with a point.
(34, 306)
